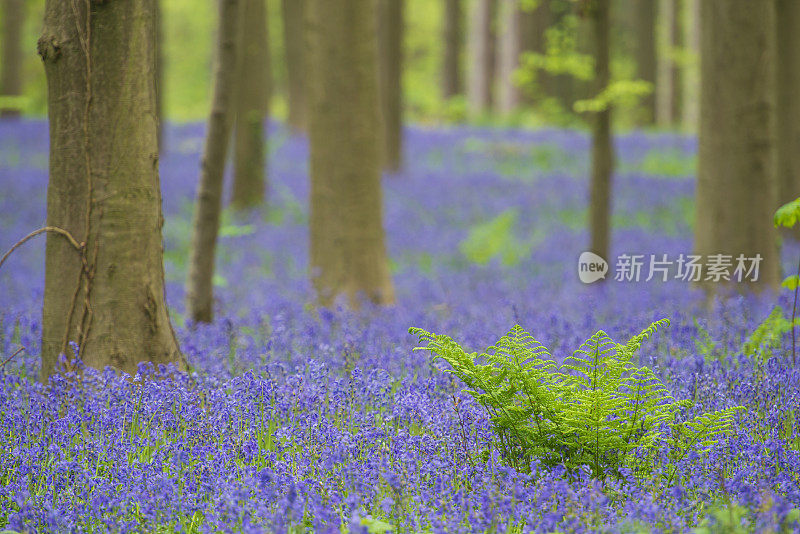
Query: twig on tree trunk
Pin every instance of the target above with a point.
(72, 241)
(2, 365)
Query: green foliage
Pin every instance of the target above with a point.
(596, 409)
(768, 336)
(494, 238)
(788, 214)
(731, 518)
(619, 93)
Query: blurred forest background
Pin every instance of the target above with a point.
(655, 41)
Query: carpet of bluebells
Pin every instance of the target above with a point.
(301, 419)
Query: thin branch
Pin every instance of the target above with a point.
(78, 247)
(21, 349)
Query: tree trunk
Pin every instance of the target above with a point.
(205, 225)
(736, 190)
(347, 250)
(602, 144)
(676, 70)
(533, 26)
(104, 189)
(453, 43)
(690, 109)
(11, 60)
(390, 67)
(159, 73)
(664, 77)
(509, 49)
(251, 107)
(645, 20)
(479, 84)
(293, 31)
(787, 135)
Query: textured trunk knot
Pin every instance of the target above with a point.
(48, 48)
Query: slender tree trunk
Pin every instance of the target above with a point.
(251, 107)
(11, 60)
(602, 143)
(645, 21)
(533, 26)
(664, 78)
(293, 28)
(676, 70)
(159, 26)
(736, 190)
(453, 43)
(347, 250)
(104, 188)
(509, 49)
(479, 83)
(205, 225)
(691, 73)
(390, 68)
(787, 135)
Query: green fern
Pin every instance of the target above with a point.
(596, 409)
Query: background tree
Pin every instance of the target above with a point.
(348, 254)
(690, 103)
(452, 80)
(11, 59)
(390, 65)
(481, 63)
(108, 294)
(250, 107)
(205, 224)
(787, 134)
(645, 52)
(668, 94)
(736, 193)
(293, 28)
(602, 144)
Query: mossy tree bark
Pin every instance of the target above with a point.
(293, 29)
(787, 135)
(205, 224)
(452, 80)
(645, 28)
(251, 107)
(11, 60)
(347, 250)
(602, 143)
(736, 190)
(104, 189)
(390, 68)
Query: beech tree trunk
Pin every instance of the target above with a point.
(390, 67)
(160, 73)
(205, 224)
(251, 107)
(293, 32)
(690, 108)
(104, 189)
(736, 190)
(452, 84)
(645, 21)
(602, 144)
(11, 60)
(347, 250)
(479, 83)
(787, 135)
(508, 52)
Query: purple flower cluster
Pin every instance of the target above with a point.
(306, 419)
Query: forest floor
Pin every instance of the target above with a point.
(303, 418)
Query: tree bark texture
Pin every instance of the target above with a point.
(251, 107)
(11, 60)
(104, 189)
(736, 189)
(390, 68)
(347, 249)
(602, 143)
(293, 30)
(205, 224)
